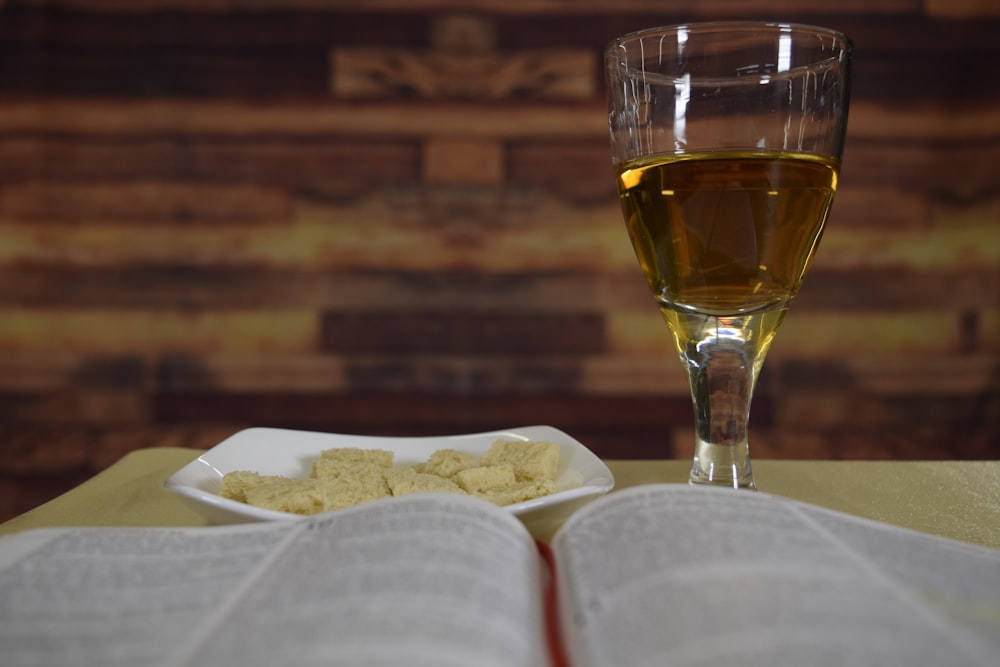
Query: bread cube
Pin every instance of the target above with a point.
(532, 460)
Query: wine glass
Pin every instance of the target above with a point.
(726, 141)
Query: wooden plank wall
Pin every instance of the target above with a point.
(397, 217)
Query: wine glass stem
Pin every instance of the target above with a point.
(722, 361)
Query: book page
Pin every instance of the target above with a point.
(425, 581)
(681, 575)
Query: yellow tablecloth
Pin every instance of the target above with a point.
(956, 499)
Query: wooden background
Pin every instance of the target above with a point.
(398, 217)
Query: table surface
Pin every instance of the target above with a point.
(955, 499)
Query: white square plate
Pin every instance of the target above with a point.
(272, 451)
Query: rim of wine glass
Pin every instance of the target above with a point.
(843, 51)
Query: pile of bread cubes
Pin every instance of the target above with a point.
(510, 471)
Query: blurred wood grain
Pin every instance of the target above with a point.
(398, 217)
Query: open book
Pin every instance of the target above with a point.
(652, 575)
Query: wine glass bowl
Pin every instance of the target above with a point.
(726, 141)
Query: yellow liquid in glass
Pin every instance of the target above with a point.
(726, 233)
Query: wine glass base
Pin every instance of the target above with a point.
(722, 465)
